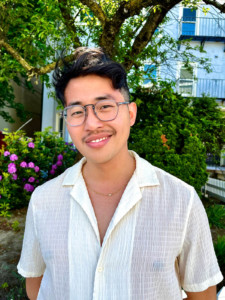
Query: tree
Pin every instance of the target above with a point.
(32, 33)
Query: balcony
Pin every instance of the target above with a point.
(196, 88)
(202, 29)
(211, 87)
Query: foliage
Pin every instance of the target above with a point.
(26, 163)
(16, 225)
(219, 247)
(17, 292)
(33, 33)
(4, 210)
(211, 123)
(166, 134)
(216, 215)
(4, 285)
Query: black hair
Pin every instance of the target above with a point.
(89, 61)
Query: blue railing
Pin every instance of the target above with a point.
(214, 27)
(211, 87)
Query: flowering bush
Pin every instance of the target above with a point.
(26, 163)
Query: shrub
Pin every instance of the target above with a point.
(216, 215)
(219, 247)
(26, 163)
(166, 134)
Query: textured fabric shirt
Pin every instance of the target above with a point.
(157, 241)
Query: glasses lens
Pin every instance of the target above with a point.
(75, 115)
(106, 110)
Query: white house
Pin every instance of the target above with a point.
(202, 29)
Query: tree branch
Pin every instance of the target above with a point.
(32, 71)
(127, 9)
(216, 4)
(96, 9)
(112, 27)
(68, 20)
(145, 35)
(48, 68)
(16, 55)
(133, 7)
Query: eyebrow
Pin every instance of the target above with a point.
(103, 97)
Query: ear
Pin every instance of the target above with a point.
(132, 112)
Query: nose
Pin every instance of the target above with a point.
(91, 121)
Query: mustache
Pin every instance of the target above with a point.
(95, 132)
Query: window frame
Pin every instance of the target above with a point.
(196, 22)
(191, 80)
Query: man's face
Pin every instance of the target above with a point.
(97, 140)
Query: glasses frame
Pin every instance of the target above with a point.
(64, 112)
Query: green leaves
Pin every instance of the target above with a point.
(216, 215)
(39, 30)
(174, 133)
(38, 160)
(219, 247)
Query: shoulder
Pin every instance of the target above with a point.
(163, 187)
(54, 183)
(171, 181)
(150, 175)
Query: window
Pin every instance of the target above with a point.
(188, 21)
(186, 82)
(150, 73)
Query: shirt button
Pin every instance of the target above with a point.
(100, 269)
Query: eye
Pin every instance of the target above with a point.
(105, 106)
(76, 112)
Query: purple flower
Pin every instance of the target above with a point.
(23, 164)
(13, 157)
(11, 168)
(14, 177)
(31, 179)
(31, 145)
(37, 181)
(0, 177)
(28, 187)
(0, 196)
(59, 163)
(54, 167)
(6, 153)
(60, 157)
(31, 165)
(52, 172)
(36, 169)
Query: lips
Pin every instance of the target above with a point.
(98, 140)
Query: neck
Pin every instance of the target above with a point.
(111, 175)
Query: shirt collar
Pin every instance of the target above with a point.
(145, 172)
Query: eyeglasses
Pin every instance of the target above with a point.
(104, 110)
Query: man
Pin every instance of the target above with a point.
(113, 226)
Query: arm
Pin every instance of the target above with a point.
(209, 294)
(33, 286)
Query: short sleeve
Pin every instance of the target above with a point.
(198, 265)
(31, 263)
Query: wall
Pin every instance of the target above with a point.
(32, 102)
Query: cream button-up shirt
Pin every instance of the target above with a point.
(157, 242)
